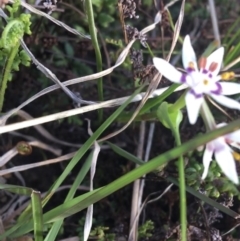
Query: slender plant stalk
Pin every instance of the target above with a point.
(182, 188)
(92, 30)
(6, 73)
(179, 104)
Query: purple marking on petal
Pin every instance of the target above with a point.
(183, 78)
(218, 89)
(195, 94)
(204, 71)
(189, 69)
(210, 75)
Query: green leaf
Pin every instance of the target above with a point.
(69, 49)
(105, 19)
(170, 119)
(37, 215)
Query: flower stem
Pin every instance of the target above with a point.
(92, 30)
(182, 188)
(7, 72)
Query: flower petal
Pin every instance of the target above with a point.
(226, 162)
(215, 59)
(207, 158)
(225, 101)
(167, 70)
(229, 88)
(193, 105)
(234, 137)
(188, 54)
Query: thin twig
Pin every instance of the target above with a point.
(68, 113)
(119, 61)
(59, 23)
(136, 198)
(214, 21)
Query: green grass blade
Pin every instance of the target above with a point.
(192, 191)
(151, 103)
(55, 215)
(90, 141)
(76, 159)
(93, 33)
(211, 47)
(16, 189)
(37, 215)
(81, 175)
(232, 54)
(125, 154)
(79, 203)
(158, 100)
(227, 40)
(53, 232)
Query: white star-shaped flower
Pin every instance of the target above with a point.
(202, 81)
(223, 154)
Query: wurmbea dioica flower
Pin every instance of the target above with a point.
(224, 155)
(204, 80)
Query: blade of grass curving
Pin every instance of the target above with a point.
(16, 189)
(37, 215)
(81, 152)
(92, 30)
(53, 232)
(81, 202)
